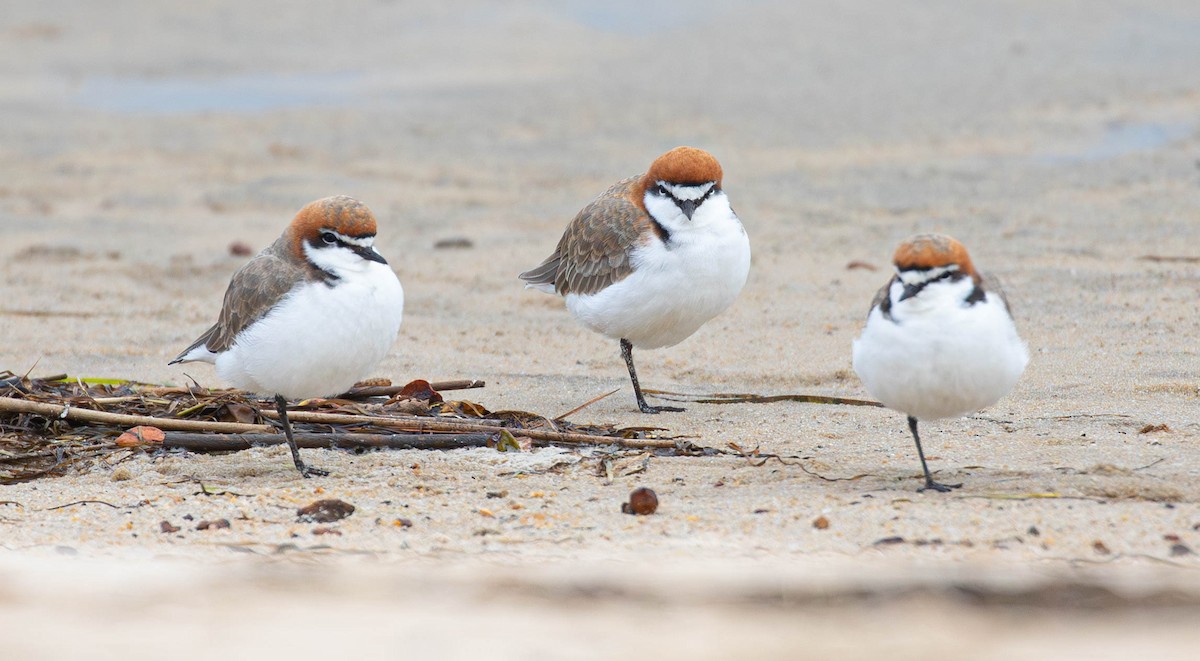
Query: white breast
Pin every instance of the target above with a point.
(674, 288)
(319, 340)
(940, 357)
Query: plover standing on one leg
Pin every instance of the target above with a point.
(939, 340)
(651, 259)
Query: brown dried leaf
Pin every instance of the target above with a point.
(463, 407)
(631, 465)
(419, 389)
(237, 412)
(406, 406)
(524, 419)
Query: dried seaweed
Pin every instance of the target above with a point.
(51, 426)
(751, 398)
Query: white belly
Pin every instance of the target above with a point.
(319, 340)
(672, 291)
(955, 362)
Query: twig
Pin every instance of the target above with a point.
(11, 405)
(1156, 461)
(742, 398)
(388, 391)
(1072, 416)
(414, 424)
(586, 404)
(1169, 258)
(427, 425)
(51, 453)
(399, 421)
(224, 442)
(1030, 496)
(82, 502)
(751, 455)
(116, 400)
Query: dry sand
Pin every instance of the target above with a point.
(1058, 141)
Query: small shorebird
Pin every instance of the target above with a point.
(310, 315)
(939, 340)
(652, 258)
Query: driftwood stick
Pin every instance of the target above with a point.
(12, 405)
(388, 391)
(219, 442)
(414, 424)
(427, 425)
(353, 393)
(744, 398)
(399, 421)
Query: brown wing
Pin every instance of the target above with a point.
(991, 283)
(883, 300)
(594, 251)
(254, 289)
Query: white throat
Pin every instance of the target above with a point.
(714, 210)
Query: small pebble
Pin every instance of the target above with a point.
(820, 523)
(212, 525)
(327, 510)
(642, 501)
(167, 526)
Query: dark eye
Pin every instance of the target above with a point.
(661, 190)
(329, 237)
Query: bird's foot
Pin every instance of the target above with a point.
(311, 471)
(938, 486)
(646, 408)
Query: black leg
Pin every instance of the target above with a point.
(929, 483)
(306, 471)
(627, 352)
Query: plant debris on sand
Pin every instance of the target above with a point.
(53, 425)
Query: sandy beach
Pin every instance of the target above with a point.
(1059, 142)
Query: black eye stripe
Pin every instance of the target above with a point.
(329, 238)
(664, 191)
(917, 288)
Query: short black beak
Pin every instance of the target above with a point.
(688, 207)
(368, 253)
(910, 291)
